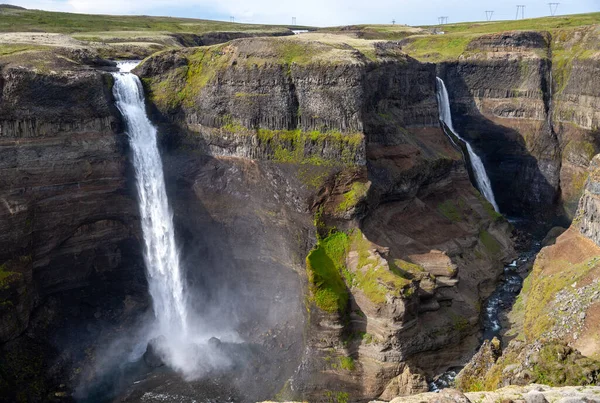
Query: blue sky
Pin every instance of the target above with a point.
(317, 12)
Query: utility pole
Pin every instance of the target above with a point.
(489, 14)
(393, 22)
(553, 8)
(443, 20)
(293, 20)
(520, 9)
(232, 19)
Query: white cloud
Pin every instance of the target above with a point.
(315, 12)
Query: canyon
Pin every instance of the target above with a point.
(333, 242)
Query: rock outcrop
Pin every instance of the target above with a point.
(555, 316)
(529, 394)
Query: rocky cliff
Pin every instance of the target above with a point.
(327, 161)
(68, 217)
(526, 100)
(555, 317)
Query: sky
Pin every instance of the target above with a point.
(317, 12)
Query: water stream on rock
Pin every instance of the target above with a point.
(502, 299)
(481, 177)
(163, 267)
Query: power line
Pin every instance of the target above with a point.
(553, 8)
(489, 14)
(520, 9)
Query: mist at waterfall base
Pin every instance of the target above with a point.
(177, 335)
(481, 178)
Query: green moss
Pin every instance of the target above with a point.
(336, 397)
(292, 146)
(357, 193)
(449, 210)
(347, 363)
(459, 323)
(584, 148)
(7, 277)
(489, 242)
(325, 265)
(406, 269)
(373, 279)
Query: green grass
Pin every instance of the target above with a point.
(540, 290)
(357, 192)
(330, 278)
(347, 363)
(325, 265)
(8, 277)
(489, 209)
(536, 24)
(11, 49)
(373, 279)
(17, 20)
(449, 210)
(406, 269)
(489, 242)
(437, 48)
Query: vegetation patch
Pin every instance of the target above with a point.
(541, 290)
(357, 192)
(489, 209)
(325, 265)
(437, 48)
(372, 277)
(296, 146)
(336, 397)
(449, 210)
(489, 242)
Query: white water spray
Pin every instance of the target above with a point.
(483, 182)
(161, 256)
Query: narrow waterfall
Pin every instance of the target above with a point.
(161, 256)
(483, 182)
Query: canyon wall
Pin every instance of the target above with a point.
(323, 215)
(69, 223)
(301, 140)
(527, 101)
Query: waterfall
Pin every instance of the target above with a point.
(161, 256)
(481, 178)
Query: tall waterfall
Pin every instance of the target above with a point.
(161, 256)
(483, 182)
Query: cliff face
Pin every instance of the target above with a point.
(68, 219)
(312, 145)
(526, 101)
(555, 317)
